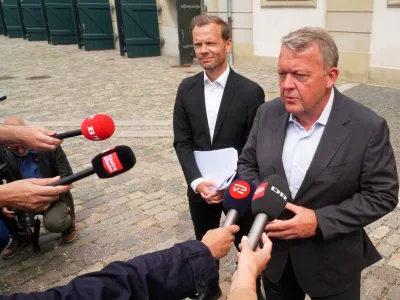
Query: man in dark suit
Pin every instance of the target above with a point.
(214, 109)
(337, 158)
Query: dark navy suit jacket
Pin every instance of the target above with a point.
(174, 273)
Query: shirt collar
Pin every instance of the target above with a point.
(222, 79)
(323, 118)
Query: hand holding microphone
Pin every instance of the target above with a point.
(107, 164)
(237, 199)
(97, 127)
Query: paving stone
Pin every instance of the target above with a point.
(393, 239)
(387, 274)
(119, 256)
(386, 249)
(393, 293)
(380, 232)
(373, 286)
(94, 268)
(395, 260)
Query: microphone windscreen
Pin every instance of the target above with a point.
(270, 197)
(98, 127)
(113, 161)
(239, 195)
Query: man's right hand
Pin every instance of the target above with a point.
(203, 189)
(33, 194)
(8, 213)
(251, 263)
(220, 240)
(36, 137)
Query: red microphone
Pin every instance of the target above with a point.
(95, 128)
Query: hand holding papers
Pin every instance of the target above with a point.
(217, 165)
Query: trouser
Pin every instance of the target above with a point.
(288, 288)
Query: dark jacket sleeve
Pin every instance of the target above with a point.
(60, 163)
(183, 138)
(170, 274)
(378, 194)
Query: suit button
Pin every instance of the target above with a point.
(202, 283)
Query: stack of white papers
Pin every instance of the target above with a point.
(218, 166)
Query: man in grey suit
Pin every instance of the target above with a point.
(338, 161)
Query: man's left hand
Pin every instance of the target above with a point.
(301, 226)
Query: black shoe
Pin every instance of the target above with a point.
(213, 294)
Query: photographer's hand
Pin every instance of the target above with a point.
(8, 213)
(31, 195)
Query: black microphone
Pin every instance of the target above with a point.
(237, 199)
(109, 163)
(3, 98)
(268, 203)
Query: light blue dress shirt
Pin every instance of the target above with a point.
(300, 146)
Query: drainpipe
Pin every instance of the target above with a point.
(230, 54)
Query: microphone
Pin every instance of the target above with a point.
(3, 98)
(268, 203)
(237, 199)
(95, 128)
(108, 163)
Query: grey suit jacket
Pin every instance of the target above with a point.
(351, 182)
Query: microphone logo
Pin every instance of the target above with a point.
(111, 163)
(239, 189)
(260, 191)
(92, 133)
(277, 191)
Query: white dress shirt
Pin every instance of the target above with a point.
(300, 146)
(213, 92)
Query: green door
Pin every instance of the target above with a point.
(3, 29)
(33, 20)
(13, 18)
(140, 26)
(186, 10)
(96, 26)
(61, 21)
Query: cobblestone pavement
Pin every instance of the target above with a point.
(144, 209)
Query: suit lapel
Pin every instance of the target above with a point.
(279, 133)
(334, 135)
(201, 106)
(227, 97)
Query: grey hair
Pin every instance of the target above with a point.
(302, 38)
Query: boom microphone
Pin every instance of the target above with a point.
(96, 128)
(109, 163)
(237, 199)
(268, 203)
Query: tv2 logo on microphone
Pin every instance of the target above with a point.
(111, 163)
(239, 189)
